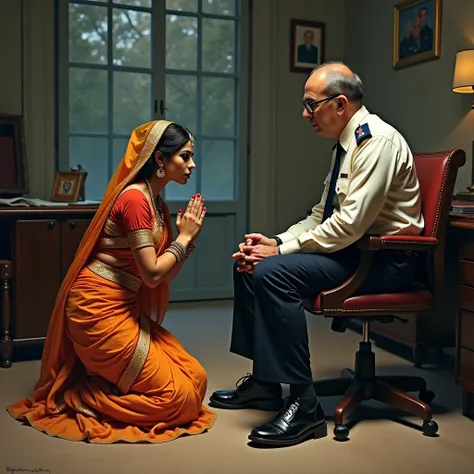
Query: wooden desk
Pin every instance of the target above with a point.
(465, 320)
(41, 243)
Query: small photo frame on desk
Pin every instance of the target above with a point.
(13, 168)
(67, 186)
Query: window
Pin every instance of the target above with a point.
(122, 70)
(202, 77)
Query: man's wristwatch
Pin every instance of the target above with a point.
(278, 240)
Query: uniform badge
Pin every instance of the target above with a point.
(362, 132)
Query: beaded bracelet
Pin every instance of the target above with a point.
(191, 249)
(179, 247)
(175, 252)
(178, 250)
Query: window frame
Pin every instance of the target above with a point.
(241, 76)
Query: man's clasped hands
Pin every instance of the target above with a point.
(253, 250)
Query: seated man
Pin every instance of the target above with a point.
(374, 190)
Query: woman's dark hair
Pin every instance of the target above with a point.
(173, 139)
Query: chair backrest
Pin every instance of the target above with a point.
(437, 173)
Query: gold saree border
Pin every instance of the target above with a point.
(83, 409)
(157, 231)
(141, 238)
(111, 228)
(115, 275)
(138, 359)
(86, 435)
(134, 240)
(113, 243)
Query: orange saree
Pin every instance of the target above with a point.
(110, 372)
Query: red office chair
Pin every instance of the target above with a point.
(437, 174)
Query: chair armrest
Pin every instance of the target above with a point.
(397, 242)
(335, 297)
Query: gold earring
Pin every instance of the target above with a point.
(160, 172)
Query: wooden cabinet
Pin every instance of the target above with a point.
(72, 231)
(36, 276)
(41, 244)
(465, 326)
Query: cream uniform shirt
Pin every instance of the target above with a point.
(377, 191)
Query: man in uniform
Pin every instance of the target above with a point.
(308, 52)
(426, 32)
(372, 188)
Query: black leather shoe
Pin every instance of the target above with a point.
(291, 426)
(247, 395)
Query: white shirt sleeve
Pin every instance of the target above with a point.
(290, 237)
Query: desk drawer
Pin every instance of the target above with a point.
(466, 330)
(466, 364)
(467, 251)
(466, 298)
(467, 272)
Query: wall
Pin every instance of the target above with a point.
(288, 160)
(11, 48)
(27, 39)
(418, 100)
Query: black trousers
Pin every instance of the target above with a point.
(269, 321)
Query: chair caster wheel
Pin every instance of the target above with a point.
(341, 432)
(430, 427)
(427, 396)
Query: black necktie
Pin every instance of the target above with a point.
(332, 186)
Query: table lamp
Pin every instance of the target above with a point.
(463, 82)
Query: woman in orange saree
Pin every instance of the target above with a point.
(110, 372)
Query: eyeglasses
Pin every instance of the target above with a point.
(310, 104)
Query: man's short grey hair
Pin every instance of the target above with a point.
(338, 83)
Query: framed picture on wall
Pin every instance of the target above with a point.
(13, 170)
(307, 45)
(416, 32)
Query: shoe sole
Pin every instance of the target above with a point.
(258, 405)
(317, 432)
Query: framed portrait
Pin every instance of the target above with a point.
(67, 186)
(13, 168)
(416, 32)
(307, 45)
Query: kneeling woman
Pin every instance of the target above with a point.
(110, 372)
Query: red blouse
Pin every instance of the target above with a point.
(130, 213)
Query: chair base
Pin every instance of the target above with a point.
(362, 384)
